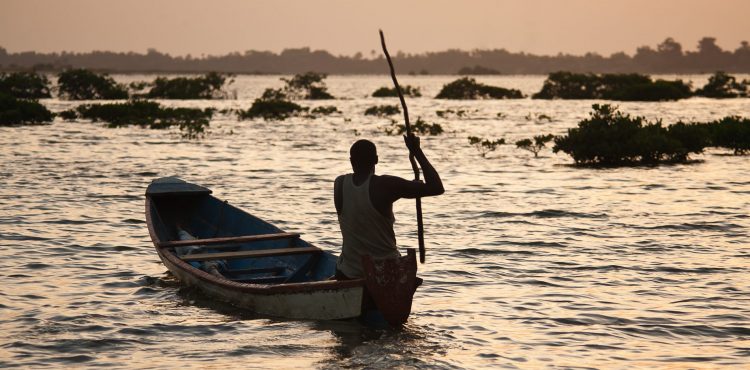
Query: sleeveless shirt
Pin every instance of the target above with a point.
(364, 229)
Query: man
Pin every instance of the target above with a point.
(364, 203)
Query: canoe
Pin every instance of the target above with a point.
(240, 259)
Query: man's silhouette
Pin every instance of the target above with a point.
(364, 203)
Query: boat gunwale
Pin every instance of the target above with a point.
(265, 289)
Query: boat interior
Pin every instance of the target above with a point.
(229, 243)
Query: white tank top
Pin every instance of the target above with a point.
(364, 229)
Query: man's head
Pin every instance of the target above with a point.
(363, 155)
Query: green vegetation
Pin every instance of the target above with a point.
(273, 105)
(382, 110)
(419, 127)
(15, 111)
(623, 87)
(536, 145)
(82, 84)
(325, 110)
(385, 92)
(609, 137)
(68, 115)
(731, 133)
(208, 86)
(722, 85)
(308, 85)
(469, 88)
(485, 146)
(24, 85)
(192, 121)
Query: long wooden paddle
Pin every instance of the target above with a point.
(420, 226)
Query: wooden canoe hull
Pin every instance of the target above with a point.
(315, 303)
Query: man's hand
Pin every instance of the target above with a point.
(412, 142)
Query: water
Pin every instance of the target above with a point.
(531, 263)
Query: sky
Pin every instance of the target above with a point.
(217, 27)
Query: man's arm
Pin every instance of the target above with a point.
(399, 188)
(337, 194)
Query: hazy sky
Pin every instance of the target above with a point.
(345, 27)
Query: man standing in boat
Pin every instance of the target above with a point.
(364, 203)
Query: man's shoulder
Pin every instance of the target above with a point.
(386, 180)
(340, 178)
(389, 178)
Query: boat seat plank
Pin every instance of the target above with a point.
(249, 254)
(229, 240)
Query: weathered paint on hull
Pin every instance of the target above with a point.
(318, 304)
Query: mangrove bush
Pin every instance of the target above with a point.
(382, 110)
(14, 111)
(24, 85)
(623, 87)
(82, 84)
(731, 133)
(485, 146)
(191, 121)
(722, 85)
(272, 105)
(535, 144)
(419, 127)
(325, 110)
(609, 137)
(469, 88)
(308, 85)
(386, 92)
(208, 86)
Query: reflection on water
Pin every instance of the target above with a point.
(531, 263)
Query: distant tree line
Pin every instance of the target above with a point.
(667, 57)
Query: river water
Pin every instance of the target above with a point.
(531, 263)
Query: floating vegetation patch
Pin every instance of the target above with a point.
(82, 84)
(14, 111)
(722, 86)
(535, 144)
(469, 88)
(273, 105)
(485, 146)
(419, 127)
(208, 86)
(382, 110)
(386, 92)
(308, 85)
(623, 87)
(24, 85)
(191, 121)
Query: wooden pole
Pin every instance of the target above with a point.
(420, 225)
